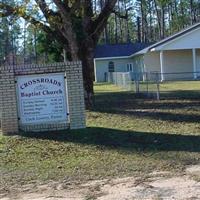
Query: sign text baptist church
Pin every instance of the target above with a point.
(42, 98)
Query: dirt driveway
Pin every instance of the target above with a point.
(155, 186)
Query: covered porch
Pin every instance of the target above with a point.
(183, 64)
(176, 57)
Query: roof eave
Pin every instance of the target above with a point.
(142, 52)
(109, 58)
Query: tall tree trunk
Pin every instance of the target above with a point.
(158, 18)
(143, 26)
(106, 35)
(162, 22)
(150, 21)
(116, 30)
(138, 30)
(191, 12)
(87, 57)
(128, 40)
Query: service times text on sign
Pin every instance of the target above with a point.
(42, 98)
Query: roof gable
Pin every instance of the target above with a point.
(169, 40)
(188, 40)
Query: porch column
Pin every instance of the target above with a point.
(95, 71)
(194, 57)
(161, 66)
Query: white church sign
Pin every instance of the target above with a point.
(42, 98)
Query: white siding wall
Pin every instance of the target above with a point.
(138, 63)
(101, 67)
(152, 62)
(198, 59)
(178, 61)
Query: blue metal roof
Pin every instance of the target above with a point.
(118, 50)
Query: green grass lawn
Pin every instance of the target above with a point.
(171, 88)
(180, 86)
(125, 136)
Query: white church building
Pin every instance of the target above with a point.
(175, 57)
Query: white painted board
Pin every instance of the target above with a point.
(42, 98)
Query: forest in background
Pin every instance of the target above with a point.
(131, 21)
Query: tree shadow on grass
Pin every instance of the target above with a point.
(181, 94)
(164, 116)
(124, 140)
(174, 99)
(170, 94)
(130, 104)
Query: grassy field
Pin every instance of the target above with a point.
(125, 136)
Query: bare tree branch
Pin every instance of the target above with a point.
(16, 11)
(66, 3)
(75, 6)
(88, 11)
(6, 10)
(50, 15)
(98, 25)
(120, 15)
(44, 8)
(87, 14)
(63, 10)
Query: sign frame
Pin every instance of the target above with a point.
(65, 95)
